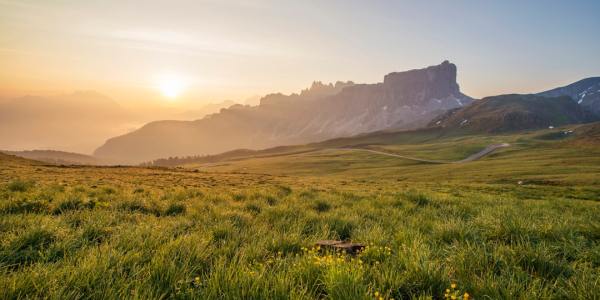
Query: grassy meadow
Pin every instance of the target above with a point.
(522, 223)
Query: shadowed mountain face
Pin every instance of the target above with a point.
(403, 100)
(585, 92)
(512, 113)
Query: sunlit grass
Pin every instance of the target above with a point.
(431, 231)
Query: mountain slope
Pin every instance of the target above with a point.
(512, 113)
(585, 92)
(403, 100)
(205, 110)
(56, 157)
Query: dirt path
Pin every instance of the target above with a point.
(489, 149)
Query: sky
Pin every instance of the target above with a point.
(140, 52)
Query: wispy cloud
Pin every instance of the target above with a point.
(172, 41)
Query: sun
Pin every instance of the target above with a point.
(171, 86)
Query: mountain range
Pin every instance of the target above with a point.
(404, 100)
(421, 98)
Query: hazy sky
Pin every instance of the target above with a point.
(214, 50)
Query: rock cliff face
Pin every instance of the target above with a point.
(403, 100)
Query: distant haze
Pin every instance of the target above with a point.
(80, 121)
(154, 60)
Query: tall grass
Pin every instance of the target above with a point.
(255, 241)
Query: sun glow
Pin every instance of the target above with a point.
(171, 86)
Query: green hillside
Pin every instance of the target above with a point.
(520, 223)
(513, 113)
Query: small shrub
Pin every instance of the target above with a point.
(183, 195)
(108, 190)
(311, 194)
(321, 206)
(175, 209)
(24, 206)
(271, 200)
(284, 246)
(94, 234)
(312, 226)
(137, 205)
(284, 191)
(238, 197)
(341, 228)
(253, 208)
(19, 185)
(238, 220)
(418, 199)
(538, 262)
(73, 203)
(222, 233)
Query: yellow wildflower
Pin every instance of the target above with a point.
(453, 285)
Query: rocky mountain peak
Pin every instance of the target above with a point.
(437, 81)
(404, 100)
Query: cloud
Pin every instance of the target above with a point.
(173, 41)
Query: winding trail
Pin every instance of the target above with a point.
(487, 150)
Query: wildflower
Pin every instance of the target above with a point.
(376, 294)
(453, 285)
(447, 291)
(466, 296)
(197, 279)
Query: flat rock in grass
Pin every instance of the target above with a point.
(348, 247)
(327, 243)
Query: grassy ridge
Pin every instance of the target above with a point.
(243, 229)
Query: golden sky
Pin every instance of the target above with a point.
(207, 51)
